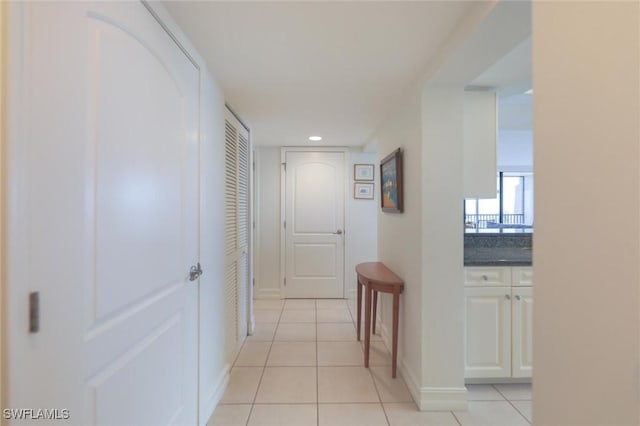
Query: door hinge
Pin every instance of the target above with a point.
(285, 282)
(284, 224)
(254, 166)
(254, 224)
(285, 166)
(253, 282)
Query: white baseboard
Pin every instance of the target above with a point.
(443, 399)
(267, 293)
(433, 398)
(427, 398)
(214, 395)
(384, 335)
(252, 324)
(410, 380)
(500, 380)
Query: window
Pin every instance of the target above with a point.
(512, 209)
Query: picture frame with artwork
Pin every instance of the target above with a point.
(363, 191)
(391, 184)
(363, 172)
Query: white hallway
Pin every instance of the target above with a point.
(70, 231)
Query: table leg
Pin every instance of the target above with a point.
(375, 309)
(396, 315)
(359, 304)
(367, 322)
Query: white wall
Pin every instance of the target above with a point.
(442, 249)
(400, 238)
(213, 372)
(360, 223)
(515, 150)
(587, 161)
(424, 245)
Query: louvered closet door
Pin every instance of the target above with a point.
(237, 232)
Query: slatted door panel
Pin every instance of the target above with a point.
(236, 233)
(231, 294)
(231, 183)
(231, 226)
(243, 232)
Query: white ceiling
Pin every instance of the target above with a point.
(511, 77)
(335, 69)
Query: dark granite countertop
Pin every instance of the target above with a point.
(497, 250)
(497, 256)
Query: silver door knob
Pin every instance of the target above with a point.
(195, 272)
(338, 232)
(508, 297)
(517, 297)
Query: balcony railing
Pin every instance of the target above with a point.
(481, 221)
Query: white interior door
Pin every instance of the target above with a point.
(104, 221)
(236, 233)
(314, 224)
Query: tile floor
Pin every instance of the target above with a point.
(304, 366)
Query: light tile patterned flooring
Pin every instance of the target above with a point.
(303, 366)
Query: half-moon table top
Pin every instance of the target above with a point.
(377, 272)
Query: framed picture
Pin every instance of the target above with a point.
(363, 191)
(363, 171)
(391, 182)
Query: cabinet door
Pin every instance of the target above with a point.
(479, 144)
(522, 331)
(487, 332)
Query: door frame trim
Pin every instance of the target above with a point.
(283, 213)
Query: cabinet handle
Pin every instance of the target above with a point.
(484, 277)
(517, 297)
(508, 297)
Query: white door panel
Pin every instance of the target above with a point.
(112, 190)
(138, 180)
(522, 334)
(236, 199)
(314, 201)
(315, 260)
(487, 332)
(314, 238)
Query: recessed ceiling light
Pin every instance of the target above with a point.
(529, 92)
(315, 138)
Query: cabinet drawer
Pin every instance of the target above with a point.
(522, 276)
(487, 276)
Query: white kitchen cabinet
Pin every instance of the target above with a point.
(498, 323)
(487, 332)
(521, 331)
(480, 144)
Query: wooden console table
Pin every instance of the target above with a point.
(375, 277)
